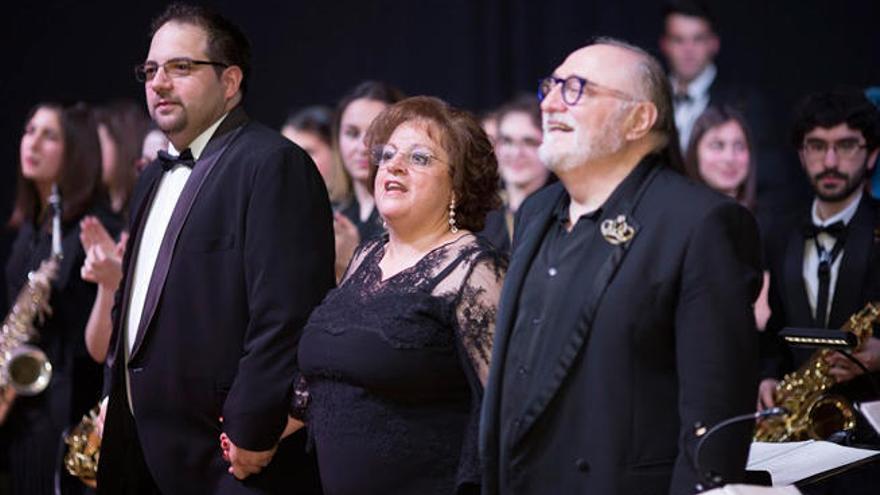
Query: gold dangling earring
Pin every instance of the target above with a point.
(452, 227)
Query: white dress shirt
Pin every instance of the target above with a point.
(170, 186)
(811, 257)
(687, 112)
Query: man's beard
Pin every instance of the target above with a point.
(560, 157)
(171, 126)
(852, 183)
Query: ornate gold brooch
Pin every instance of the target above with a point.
(617, 231)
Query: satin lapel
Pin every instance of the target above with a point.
(585, 303)
(531, 239)
(798, 307)
(848, 290)
(131, 250)
(212, 155)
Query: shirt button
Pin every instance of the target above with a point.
(582, 465)
(522, 370)
(552, 271)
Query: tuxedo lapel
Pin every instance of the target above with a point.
(532, 234)
(212, 154)
(576, 324)
(798, 307)
(152, 176)
(859, 244)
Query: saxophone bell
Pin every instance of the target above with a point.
(830, 414)
(27, 370)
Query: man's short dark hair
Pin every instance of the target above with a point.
(523, 103)
(691, 8)
(227, 43)
(316, 119)
(831, 108)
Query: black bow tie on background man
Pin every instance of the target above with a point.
(837, 230)
(169, 161)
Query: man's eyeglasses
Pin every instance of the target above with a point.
(573, 87)
(816, 149)
(176, 67)
(384, 155)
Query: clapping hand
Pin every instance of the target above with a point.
(92, 233)
(103, 264)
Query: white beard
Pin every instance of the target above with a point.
(562, 151)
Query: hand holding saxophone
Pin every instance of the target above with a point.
(842, 369)
(766, 392)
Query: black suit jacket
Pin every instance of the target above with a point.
(251, 253)
(858, 282)
(661, 338)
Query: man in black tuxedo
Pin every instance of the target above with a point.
(690, 44)
(825, 262)
(626, 313)
(231, 247)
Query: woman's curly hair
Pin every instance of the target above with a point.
(472, 164)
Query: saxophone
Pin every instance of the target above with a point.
(22, 366)
(814, 413)
(84, 449)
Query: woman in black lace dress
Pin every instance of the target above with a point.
(394, 360)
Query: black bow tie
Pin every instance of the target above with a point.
(169, 161)
(836, 230)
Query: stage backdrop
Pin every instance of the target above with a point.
(473, 53)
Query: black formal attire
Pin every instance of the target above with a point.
(607, 355)
(247, 254)
(499, 223)
(35, 424)
(369, 228)
(858, 282)
(391, 371)
(499, 228)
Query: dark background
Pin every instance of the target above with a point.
(473, 53)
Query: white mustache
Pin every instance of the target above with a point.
(564, 119)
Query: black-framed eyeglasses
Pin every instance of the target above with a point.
(175, 67)
(573, 88)
(847, 148)
(383, 154)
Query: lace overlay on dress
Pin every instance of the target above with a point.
(394, 368)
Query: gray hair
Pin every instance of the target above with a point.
(654, 86)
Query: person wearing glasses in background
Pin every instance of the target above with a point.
(626, 315)
(825, 262)
(230, 248)
(519, 135)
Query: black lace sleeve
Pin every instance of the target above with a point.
(476, 311)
